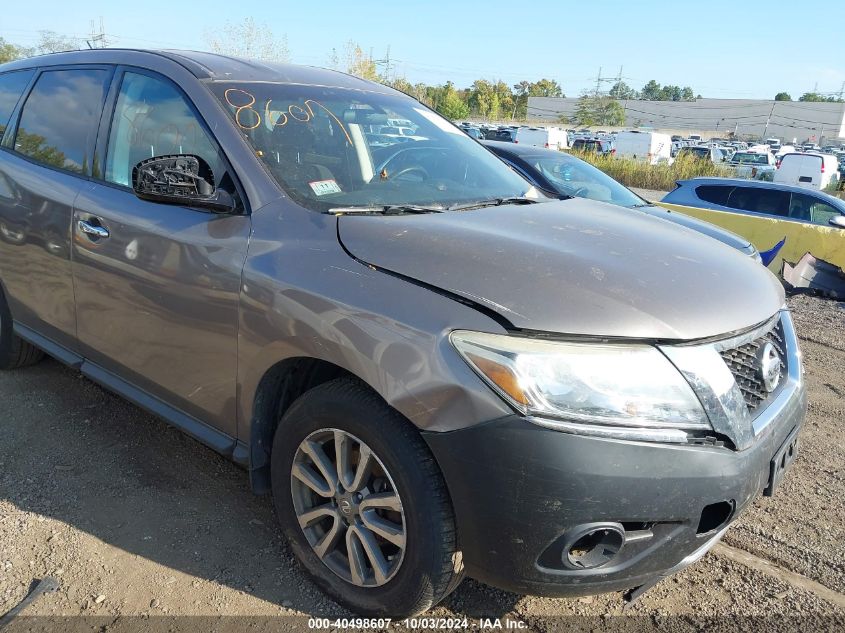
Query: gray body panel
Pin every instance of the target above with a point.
(35, 214)
(706, 228)
(575, 267)
(303, 296)
(157, 301)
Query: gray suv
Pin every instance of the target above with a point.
(434, 369)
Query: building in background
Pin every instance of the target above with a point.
(787, 120)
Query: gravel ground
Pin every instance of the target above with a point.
(141, 526)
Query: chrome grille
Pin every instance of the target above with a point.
(745, 366)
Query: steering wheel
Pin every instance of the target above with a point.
(408, 170)
(581, 192)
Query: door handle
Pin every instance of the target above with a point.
(93, 230)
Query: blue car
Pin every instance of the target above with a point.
(790, 224)
(752, 197)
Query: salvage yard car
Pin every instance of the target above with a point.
(810, 171)
(798, 230)
(753, 165)
(560, 174)
(433, 368)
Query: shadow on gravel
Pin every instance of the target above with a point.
(76, 453)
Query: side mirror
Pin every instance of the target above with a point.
(838, 221)
(182, 179)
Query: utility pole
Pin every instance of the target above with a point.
(383, 62)
(841, 90)
(98, 39)
(598, 83)
(769, 118)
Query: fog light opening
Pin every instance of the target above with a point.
(714, 516)
(594, 547)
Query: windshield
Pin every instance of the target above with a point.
(574, 177)
(753, 159)
(335, 148)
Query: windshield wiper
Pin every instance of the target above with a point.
(389, 209)
(493, 202)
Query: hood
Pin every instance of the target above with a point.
(710, 230)
(574, 267)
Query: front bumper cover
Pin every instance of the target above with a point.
(517, 488)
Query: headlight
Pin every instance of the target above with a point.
(609, 385)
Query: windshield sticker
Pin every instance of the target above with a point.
(439, 122)
(324, 187)
(248, 118)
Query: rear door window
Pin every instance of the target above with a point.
(811, 209)
(760, 200)
(58, 123)
(717, 194)
(152, 118)
(12, 86)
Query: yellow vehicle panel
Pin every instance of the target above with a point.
(812, 256)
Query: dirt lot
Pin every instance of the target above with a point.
(141, 525)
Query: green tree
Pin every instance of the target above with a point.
(359, 64)
(670, 93)
(452, 106)
(610, 112)
(585, 114)
(250, 40)
(815, 96)
(34, 145)
(401, 84)
(651, 91)
(481, 97)
(545, 88)
(621, 90)
(10, 52)
(783, 96)
(591, 110)
(505, 98)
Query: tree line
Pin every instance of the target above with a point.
(809, 96)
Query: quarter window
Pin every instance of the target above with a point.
(11, 88)
(152, 118)
(810, 209)
(59, 119)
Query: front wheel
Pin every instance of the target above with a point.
(362, 502)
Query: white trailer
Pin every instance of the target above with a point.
(548, 137)
(653, 147)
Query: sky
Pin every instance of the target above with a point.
(721, 48)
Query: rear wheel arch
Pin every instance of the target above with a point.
(14, 351)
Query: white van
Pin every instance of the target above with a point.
(814, 171)
(550, 138)
(651, 146)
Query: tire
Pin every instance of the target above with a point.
(428, 566)
(14, 351)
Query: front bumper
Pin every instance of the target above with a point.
(518, 489)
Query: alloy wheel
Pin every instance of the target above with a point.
(348, 507)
